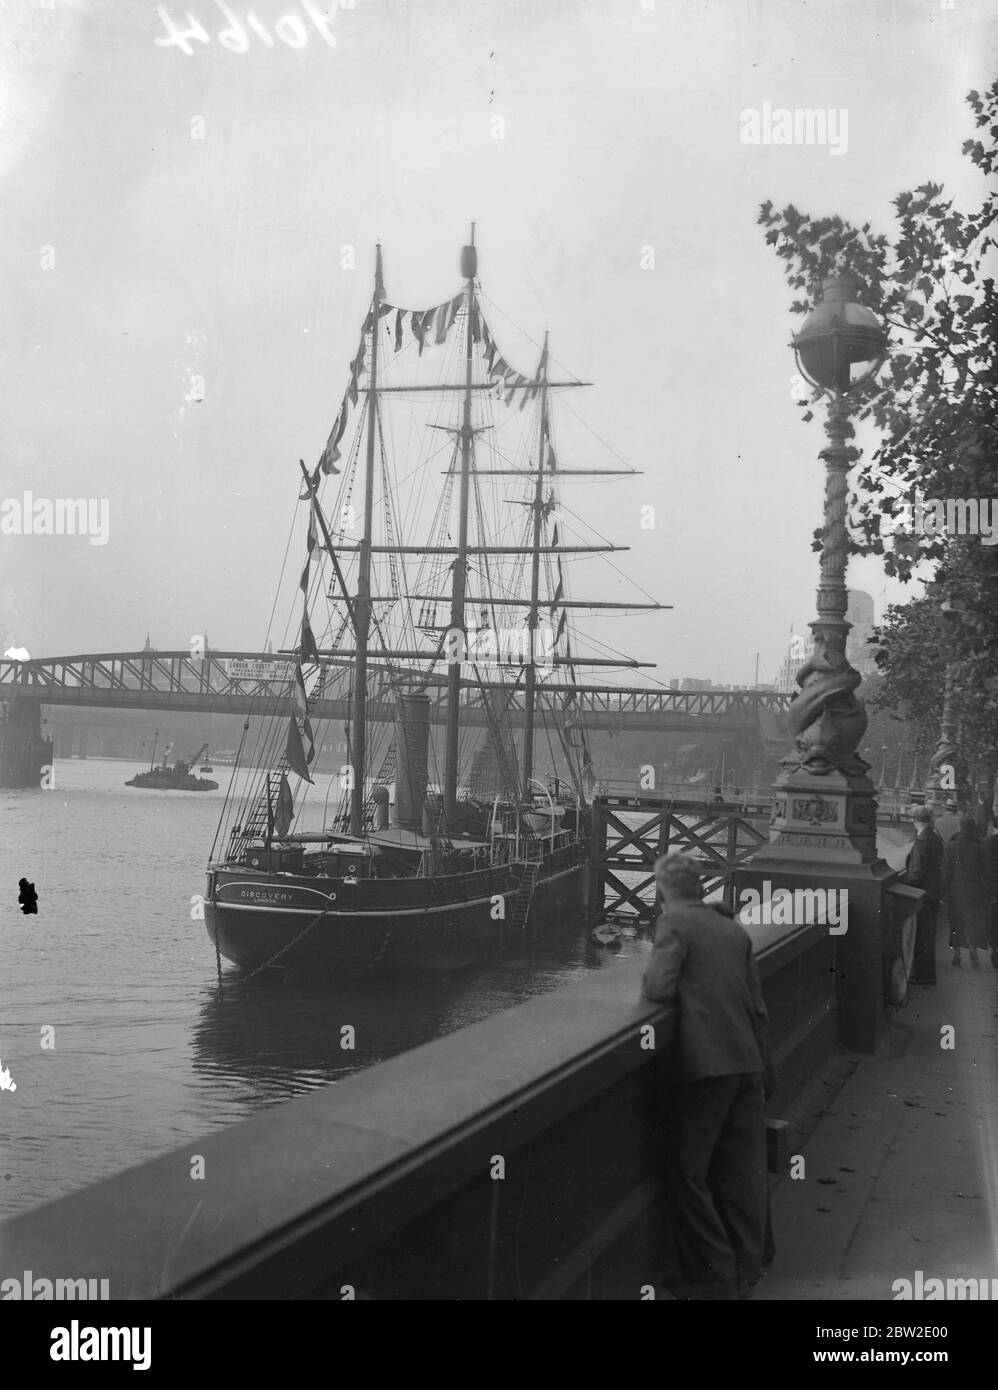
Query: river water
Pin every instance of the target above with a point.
(147, 1053)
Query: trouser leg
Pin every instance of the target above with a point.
(707, 1261)
(957, 927)
(924, 963)
(738, 1176)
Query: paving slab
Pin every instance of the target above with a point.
(901, 1170)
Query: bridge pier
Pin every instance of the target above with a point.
(23, 750)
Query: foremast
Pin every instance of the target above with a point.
(533, 619)
(459, 582)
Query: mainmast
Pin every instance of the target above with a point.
(469, 268)
(362, 605)
(530, 683)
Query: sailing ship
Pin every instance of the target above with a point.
(428, 859)
(173, 777)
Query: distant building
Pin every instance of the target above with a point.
(861, 614)
(798, 651)
(801, 646)
(691, 683)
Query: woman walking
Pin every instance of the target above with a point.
(967, 890)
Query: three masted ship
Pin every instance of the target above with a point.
(429, 595)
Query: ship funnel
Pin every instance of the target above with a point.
(469, 262)
(379, 795)
(412, 742)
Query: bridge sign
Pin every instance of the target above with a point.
(240, 669)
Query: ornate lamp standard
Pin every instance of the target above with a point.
(824, 798)
(823, 831)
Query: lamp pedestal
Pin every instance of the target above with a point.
(830, 818)
(823, 836)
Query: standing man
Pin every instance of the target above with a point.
(948, 823)
(924, 869)
(703, 968)
(967, 890)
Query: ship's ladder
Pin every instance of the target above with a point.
(258, 824)
(525, 893)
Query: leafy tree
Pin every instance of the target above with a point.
(934, 405)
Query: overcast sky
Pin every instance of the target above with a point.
(221, 257)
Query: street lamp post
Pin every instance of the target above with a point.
(824, 797)
(823, 830)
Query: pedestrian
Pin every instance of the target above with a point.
(923, 869)
(948, 823)
(703, 968)
(967, 890)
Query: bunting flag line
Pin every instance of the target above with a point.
(306, 647)
(356, 367)
(285, 812)
(438, 320)
(307, 731)
(295, 751)
(509, 381)
(298, 692)
(542, 371)
(329, 455)
(301, 705)
(311, 542)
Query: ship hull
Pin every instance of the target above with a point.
(436, 924)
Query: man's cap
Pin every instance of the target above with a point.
(950, 804)
(923, 814)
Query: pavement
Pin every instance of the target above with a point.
(900, 1173)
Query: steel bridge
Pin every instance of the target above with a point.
(258, 684)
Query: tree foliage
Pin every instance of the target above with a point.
(934, 406)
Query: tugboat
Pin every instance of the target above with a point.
(428, 511)
(175, 778)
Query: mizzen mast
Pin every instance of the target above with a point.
(362, 603)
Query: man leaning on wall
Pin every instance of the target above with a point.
(703, 970)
